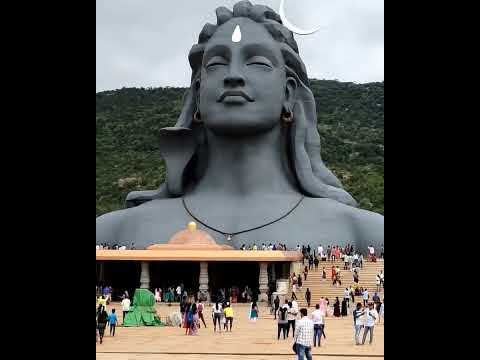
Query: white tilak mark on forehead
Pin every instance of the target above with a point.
(237, 34)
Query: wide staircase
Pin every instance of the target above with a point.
(323, 287)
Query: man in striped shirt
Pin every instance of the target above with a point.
(304, 336)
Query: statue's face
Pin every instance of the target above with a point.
(243, 83)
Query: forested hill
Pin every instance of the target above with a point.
(350, 122)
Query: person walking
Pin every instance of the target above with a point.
(113, 321)
(291, 317)
(365, 297)
(276, 305)
(158, 295)
(304, 336)
(125, 307)
(294, 291)
(315, 262)
(357, 322)
(344, 307)
(324, 274)
(200, 308)
(305, 272)
(195, 322)
(282, 322)
(318, 321)
(102, 318)
(336, 308)
(217, 316)
(308, 296)
(378, 282)
(253, 312)
(228, 312)
(346, 296)
(187, 318)
(381, 313)
(370, 316)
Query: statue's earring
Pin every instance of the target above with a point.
(287, 116)
(196, 117)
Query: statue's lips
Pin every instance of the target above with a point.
(234, 97)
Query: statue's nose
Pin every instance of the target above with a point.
(234, 80)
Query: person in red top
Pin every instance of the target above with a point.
(200, 313)
(333, 273)
(337, 253)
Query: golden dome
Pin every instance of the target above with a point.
(191, 239)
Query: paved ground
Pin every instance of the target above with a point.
(247, 341)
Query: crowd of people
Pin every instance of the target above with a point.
(105, 246)
(264, 247)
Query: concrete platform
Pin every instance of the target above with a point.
(246, 341)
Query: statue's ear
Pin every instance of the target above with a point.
(290, 92)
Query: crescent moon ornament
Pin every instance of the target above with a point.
(290, 26)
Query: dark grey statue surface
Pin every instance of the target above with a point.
(243, 160)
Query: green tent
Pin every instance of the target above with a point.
(143, 312)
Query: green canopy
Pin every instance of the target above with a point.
(143, 312)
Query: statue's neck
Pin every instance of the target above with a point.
(247, 165)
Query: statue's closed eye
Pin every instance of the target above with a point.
(216, 61)
(260, 61)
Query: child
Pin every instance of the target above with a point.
(113, 322)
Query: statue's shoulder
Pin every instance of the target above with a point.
(128, 224)
(107, 225)
(367, 226)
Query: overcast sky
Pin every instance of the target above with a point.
(145, 43)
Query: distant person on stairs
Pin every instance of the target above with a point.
(336, 308)
(344, 307)
(365, 297)
(320, 251)
(315, 261)
(282, 322)
(276, 304)
(294, 290)
(346, 296)
(308, 296)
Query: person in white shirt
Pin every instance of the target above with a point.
(382, 279)
(217, 312)
(346, 296)
(318, 323)
(320, 251)
(304, 336)
(291, 317)
(365, 297)
(371, 251)
(125, 307)
(357, 321)
(371, 316)
(179, 293)
(381, 315)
